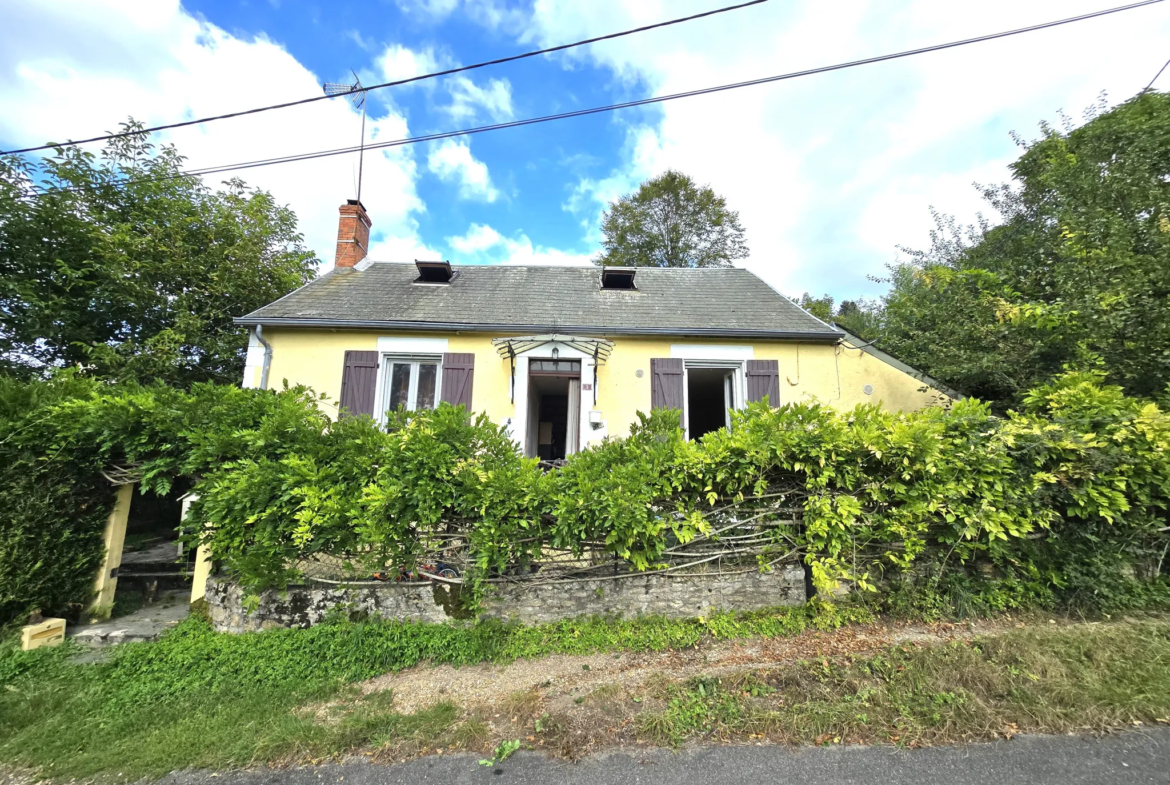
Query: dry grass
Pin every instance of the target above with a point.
(1079, 678)
(924, 690)
(522, 703)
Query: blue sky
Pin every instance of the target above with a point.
(830, 173)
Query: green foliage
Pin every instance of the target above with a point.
(119, 264)
(860, 317)
(820, 307)
(671, 222)
(502, 752)
(1077, 273)
(196, 698)
(57, 436)
(136, 715)
(380, 497)
(1063, 492)
(52, 514)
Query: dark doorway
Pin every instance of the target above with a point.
(707, 402)
(553, 404)
(548, 399)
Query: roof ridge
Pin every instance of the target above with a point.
(519, 265)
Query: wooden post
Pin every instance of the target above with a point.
(202, 558)
(107, 578)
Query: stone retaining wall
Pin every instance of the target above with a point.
(678, 597)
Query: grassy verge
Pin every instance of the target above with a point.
(1086, 677)
(200, 699)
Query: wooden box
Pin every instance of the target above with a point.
(49, 632)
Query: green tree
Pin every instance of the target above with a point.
(1077, 273)
(860, 317)
(671, 222)
(121, 264)
(820, 307)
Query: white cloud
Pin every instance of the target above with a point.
(402, 62)
(496, 15)
(484, 245)
(451, 161)
(436, 10)
(590, 197)
(469, 100)
(78, 68)
(478, 239)
(830, 172)
(493, 14)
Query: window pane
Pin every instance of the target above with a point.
(425, 397)
(555, 366)
(399, 386)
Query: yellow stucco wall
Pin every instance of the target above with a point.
(316, 358)
(834, 375)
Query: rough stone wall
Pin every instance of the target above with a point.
(639, 595)
(304, 606)
(649, 595)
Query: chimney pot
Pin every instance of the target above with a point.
(353, 234)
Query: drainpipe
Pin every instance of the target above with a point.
(267, 357)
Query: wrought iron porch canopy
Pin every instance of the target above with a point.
(597, 348)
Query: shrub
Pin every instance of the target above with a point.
(58, 435)
(52, 514)
(1057, 497)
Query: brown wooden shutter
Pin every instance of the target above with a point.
(359, 380)
(763, 379)
(458, 372)
(666, 383)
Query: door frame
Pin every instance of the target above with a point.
(519, 426)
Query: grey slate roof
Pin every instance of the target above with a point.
(709, 301)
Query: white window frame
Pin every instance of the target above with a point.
(386, 364)
(737, 367)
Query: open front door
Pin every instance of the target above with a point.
(573, 420)
(728, 397)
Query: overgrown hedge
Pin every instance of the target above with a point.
(1063, 496)
(57, 437)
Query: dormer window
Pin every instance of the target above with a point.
(619, 278)
(433, 272)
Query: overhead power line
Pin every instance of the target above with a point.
(626, 105)
(1160, 70)
(397, 82)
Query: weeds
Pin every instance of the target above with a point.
(502, 752)
(1042, 681)
(197, 698)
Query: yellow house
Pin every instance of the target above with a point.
(563, 356)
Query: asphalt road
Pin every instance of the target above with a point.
(1141, 756)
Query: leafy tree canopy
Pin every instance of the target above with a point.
(119, 263)
(860, 317)
(671, 222)
(1077, 274)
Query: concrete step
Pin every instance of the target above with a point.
(144, 624)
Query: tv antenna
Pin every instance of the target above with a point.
(357, 96)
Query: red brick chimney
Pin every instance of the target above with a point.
(353, 234)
